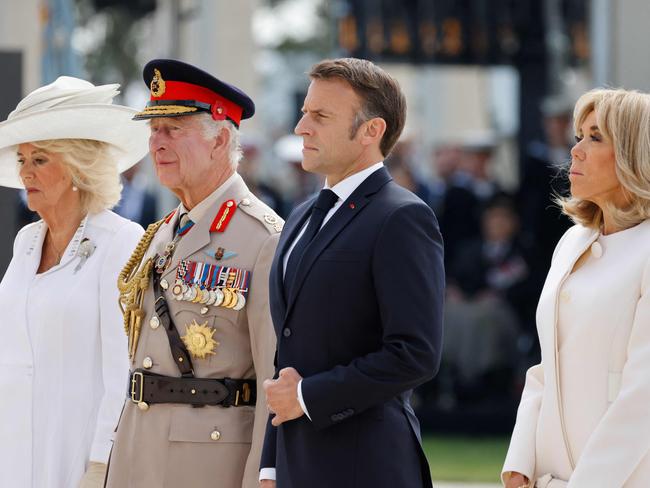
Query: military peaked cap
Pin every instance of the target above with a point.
(178, 88)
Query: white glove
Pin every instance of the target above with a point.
(94, 475)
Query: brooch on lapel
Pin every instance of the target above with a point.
(86, 249)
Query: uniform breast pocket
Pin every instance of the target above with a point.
(341, 255)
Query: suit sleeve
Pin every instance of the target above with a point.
(262, 338)
(115, 364)
(268, 452)
(270, 437)
(620, 440)
(408, 275)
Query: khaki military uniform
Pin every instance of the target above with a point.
(174, 445)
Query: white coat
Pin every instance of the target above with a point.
(594, 324)
(63, 357)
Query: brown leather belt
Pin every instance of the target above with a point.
(156, 388)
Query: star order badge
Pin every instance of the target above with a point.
(198, 339)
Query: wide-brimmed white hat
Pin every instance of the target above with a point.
(70, 108)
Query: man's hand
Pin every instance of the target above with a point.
(267, 484)
(282, 396)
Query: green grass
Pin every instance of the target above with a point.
(464, 458)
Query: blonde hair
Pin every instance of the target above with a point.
(93, 170)
(623, 117)
(211, 129)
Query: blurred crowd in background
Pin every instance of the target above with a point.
(487, 142)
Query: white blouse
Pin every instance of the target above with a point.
(63, 357)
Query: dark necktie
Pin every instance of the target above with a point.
(325, 201)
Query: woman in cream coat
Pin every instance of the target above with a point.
(584, 416)
(63, 357)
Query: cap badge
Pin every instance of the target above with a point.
(157, 84)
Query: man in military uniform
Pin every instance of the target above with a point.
(195, 295)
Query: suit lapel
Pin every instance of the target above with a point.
(341, 218)
(289, 234)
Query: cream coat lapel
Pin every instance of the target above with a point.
(568, 256)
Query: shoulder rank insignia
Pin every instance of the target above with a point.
(274, 221)
(198, 339)
(223, 217)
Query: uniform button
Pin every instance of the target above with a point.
(565, 296)
(215, 435)
(246, 202)
(154, 323)
(164, 284)
(286, 332)
(143, 406)
(147, 362)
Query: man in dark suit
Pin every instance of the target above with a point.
(356, 298)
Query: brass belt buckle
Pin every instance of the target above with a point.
(136, 377)
(245, 396)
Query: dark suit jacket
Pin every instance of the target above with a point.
(363, 327)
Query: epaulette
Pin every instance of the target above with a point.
(259, 210)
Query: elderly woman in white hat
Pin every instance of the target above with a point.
(63, 357)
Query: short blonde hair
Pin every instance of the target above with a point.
(94, 172)
(623, 116)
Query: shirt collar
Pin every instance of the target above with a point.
(346, 187)
(199, 211)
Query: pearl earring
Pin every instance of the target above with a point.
(74, 188)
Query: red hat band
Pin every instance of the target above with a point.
(220, 107)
